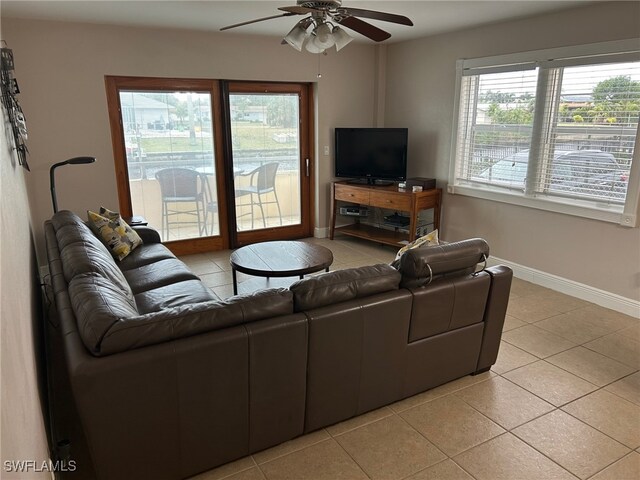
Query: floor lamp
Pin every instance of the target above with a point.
(52, 179)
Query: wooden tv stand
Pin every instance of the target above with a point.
(387, 197)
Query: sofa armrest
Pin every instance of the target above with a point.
(147, 234)
(494, 315)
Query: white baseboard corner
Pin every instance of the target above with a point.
(321, 232)
(591, 294)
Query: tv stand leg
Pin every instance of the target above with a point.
(332, 227)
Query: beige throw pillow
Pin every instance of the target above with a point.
(424, 241)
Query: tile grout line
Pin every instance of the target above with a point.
(262, 472)
(362, 425)
(501, 426)
(532, 393)
(561, 407)
(545, 455)
(631, 450)
(596, 428)
(557, 463)
(296, 450)
(518, 438)
(350, 456)
(431, 442)
(615, 461)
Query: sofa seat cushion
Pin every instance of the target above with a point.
(144, 255)
(343, 285)
(173, 295)
(98, 304)
(158, 274)
(188, 320)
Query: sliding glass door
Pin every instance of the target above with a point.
(213, 164)
(169, 169)
(269, 131)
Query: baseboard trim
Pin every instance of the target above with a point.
(603, 298)
(321, 232)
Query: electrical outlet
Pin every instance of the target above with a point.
(326, 150)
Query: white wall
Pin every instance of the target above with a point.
(61, 68)
(23, 433)
(420, 93)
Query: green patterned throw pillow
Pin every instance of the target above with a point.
(114, 232)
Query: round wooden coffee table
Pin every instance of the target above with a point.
(279, 259)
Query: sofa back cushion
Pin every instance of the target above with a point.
(422, 265)
(81, 252)
(128, 332)
(343, 285)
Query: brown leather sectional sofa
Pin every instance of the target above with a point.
(168, 382)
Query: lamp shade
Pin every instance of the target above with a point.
(296, 37)
(323, 36)
(341, 38)
(79, 160)
(311, 46)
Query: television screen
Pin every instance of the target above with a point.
(371, 153)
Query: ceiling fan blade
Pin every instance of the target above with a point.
(256, 20)
(298, 10)
(385, 17)
(374, 33)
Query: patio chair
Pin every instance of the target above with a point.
(262, 181)
(181, 186)
(211, 204)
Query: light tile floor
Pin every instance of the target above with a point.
(562, 401)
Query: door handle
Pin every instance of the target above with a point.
(306, 160)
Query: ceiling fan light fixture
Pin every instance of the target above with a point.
(323, 36)
(296, 37)
(323, 16)
(311, 47)
(341, 38)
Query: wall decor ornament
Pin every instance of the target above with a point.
(10, 91)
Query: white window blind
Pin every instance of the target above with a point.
(591, 125)
(562, 132)
(496, 119)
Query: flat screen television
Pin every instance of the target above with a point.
(371, 155)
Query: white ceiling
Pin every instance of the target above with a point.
(429, 17)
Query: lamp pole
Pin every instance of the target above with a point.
(52, 178)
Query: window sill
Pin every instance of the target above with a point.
(568, 206)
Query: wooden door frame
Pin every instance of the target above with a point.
(114, 84)
(307, 184)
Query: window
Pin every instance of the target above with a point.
(552, 129)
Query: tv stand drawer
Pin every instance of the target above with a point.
(397, 201)
(347, 193)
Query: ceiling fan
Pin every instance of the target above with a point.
(321, 29)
